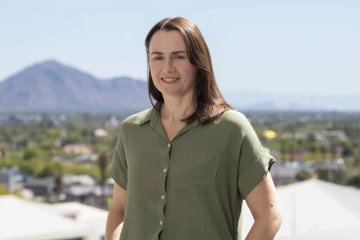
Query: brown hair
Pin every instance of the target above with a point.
(210, 101)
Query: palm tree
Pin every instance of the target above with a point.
(103, 165)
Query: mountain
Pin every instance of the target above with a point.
(292, 102)
(52, 86)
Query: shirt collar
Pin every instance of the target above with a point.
(154, 116)
(151, 115)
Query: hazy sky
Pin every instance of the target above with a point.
(289, 46)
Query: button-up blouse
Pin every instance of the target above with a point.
(193, 187)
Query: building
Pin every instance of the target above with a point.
(80, 149)
(313, 207)
(12, 178)
(20, 219)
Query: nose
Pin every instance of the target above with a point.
(168, 66)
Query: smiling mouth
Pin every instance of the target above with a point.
(169, 79)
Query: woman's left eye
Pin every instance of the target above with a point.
(179, 57)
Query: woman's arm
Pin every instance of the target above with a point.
(263, 204)
(116, 214)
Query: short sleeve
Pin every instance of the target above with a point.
(254, 161)
(118, 161)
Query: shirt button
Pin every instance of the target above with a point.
(164, 169)
(162, 197)
(160, 222)
(169, 145)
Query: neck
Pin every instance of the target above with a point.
(173, 110)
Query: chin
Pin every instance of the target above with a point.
(170, 94)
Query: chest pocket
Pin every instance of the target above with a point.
(196, 171)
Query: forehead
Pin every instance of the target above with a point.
(167, 41)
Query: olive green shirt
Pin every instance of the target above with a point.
(191, 188)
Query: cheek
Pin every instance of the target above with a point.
(190, 71)
(154, 70)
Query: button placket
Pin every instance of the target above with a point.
(162, 200)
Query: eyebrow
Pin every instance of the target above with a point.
(161, 53)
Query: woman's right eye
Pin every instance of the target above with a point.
(157, 58)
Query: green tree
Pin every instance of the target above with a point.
(3, 190)
(357, 161)
(354, 181)
(336, 176)
(50, 168)
(302, 175)
(53, 133)
(30, 153)
(103, 163)
(59, 186)
(323, 151)
(2, 152)
(347, 149)
(23, 143)
(311, 138)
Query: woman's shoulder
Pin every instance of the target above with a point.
(234, 119)
(128, 125)
(137, 118)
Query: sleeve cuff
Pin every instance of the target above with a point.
(119, 176)
(254, 173)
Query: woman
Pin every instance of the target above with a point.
(183, 168)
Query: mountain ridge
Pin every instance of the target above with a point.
(51, 85)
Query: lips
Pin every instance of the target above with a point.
(169, 79)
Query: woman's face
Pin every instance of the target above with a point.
(172, 73)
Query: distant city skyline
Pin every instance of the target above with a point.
(301, 47)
